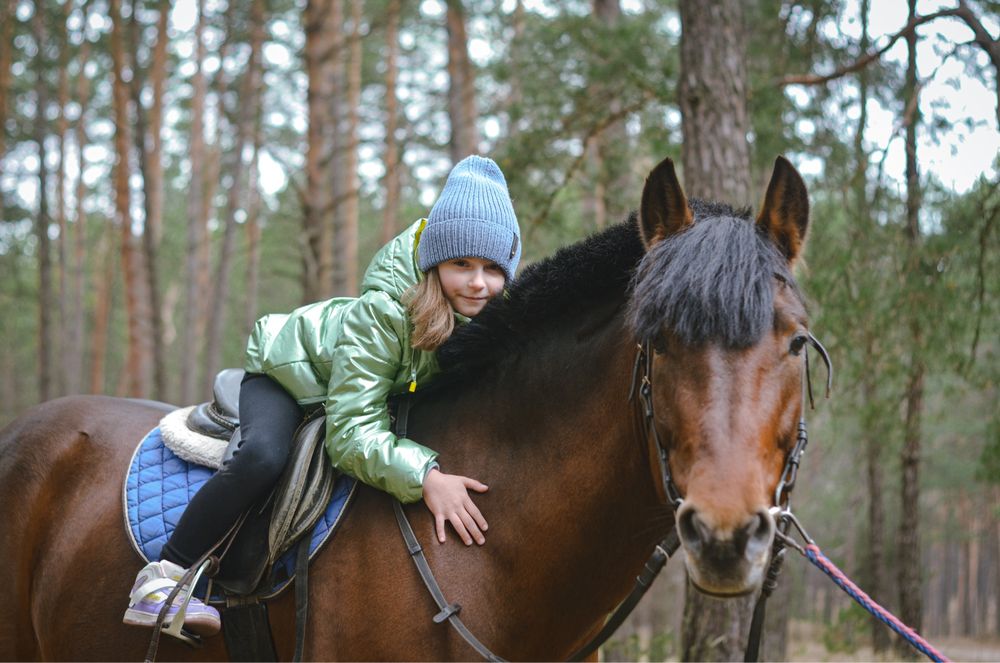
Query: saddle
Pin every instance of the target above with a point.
(298, 501)
(257, 561)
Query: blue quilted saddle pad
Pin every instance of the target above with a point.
(159, 485)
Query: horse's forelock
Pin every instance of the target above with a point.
(713, 282)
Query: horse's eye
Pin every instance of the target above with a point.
(798, 343)
(659, 344)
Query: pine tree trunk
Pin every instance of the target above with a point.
(462, 86)
(346, 229)
(149, 148)
(713, 101)
(75, 342)
(249, 102)
(62, 241)
(391, 180)
(716, 160)
(910, 599)
(45, 299)
(192, 336)
(134, 383)
(321, 51)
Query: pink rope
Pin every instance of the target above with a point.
(819, 559)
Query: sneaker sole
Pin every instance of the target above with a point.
(200, 624)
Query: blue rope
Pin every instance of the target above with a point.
(826, 566)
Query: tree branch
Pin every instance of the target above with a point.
(985, 40)
(597, 128)
(868, 58)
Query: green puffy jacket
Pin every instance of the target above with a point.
(351, 354)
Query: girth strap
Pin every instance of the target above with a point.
(448, 611)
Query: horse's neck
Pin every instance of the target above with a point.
(571, 498)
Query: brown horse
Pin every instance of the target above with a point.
(535, 403)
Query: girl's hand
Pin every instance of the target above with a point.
(447, 497)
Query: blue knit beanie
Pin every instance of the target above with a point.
(472, 218)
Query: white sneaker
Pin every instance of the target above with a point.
(150, 591)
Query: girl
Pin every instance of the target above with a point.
(350, 355)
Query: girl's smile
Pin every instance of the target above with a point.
(469, 283)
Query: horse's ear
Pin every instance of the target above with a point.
(785, 213)
(664, 208)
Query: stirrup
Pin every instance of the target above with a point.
(176, 628)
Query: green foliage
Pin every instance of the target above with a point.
(662, 646)
(844, 633)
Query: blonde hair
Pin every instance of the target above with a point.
(430, 313)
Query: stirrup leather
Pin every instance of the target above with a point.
(176, 627)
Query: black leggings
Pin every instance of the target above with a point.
(268, 419)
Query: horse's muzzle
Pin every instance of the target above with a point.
(725, 561)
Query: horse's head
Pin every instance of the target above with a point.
(715, 298)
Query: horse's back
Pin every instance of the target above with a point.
(65, 560)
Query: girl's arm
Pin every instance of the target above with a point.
(365, 360)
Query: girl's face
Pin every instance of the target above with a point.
(468, 283)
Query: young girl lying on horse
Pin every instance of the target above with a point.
(350, 355)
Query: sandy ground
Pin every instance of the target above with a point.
(956, 649)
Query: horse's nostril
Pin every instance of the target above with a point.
(757, 534)
(765, 526)
(693, 532)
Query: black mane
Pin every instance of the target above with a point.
(545, 293)
(711, 282)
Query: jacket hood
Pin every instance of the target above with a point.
(394, 270)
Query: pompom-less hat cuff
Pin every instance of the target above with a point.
(469, 238)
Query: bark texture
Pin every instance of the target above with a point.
(149, 143)
(910, 595)
(62, 240)
(75, 367)
(133, 382)
(46, 386)
(713, 101)
(346, 227)
(321, 51)
(196, 277)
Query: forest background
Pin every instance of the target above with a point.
(170, 170)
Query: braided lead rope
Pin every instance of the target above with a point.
(813, 553)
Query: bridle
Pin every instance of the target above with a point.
(642, 384)
(781, 511)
